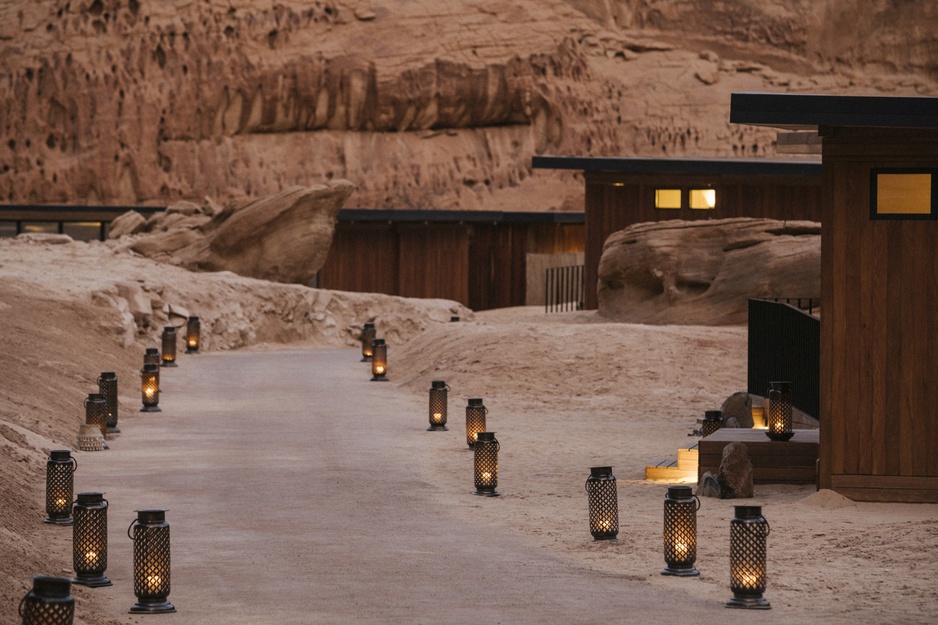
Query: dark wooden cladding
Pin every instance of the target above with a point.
(879, 349)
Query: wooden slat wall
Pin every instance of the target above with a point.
(434, 261)
(363, 258)
(879, 351)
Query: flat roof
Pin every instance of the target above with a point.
(799, 111)
(457, 216)
(680, 166)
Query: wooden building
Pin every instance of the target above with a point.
(625, 191)
(477, 258)
(879, 287)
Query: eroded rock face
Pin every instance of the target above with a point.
(703, 272)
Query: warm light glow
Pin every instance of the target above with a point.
(903, 194)
(192, 342)
(703, 199)
(91, 556)
(60, 502)
(680, 550)
(604, 524)
(475, 436)
(150, 392)
(379, 369)
(437, 417)
(153, 581)
(486, 476)
(668, 198)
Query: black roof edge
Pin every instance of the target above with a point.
(680, 166)
(80, 208)
(456, 216)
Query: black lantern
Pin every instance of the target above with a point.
(150, 388)
(486, 464)
(713, 420)
(603, 503)
(379, 361)
(438, 402)
(475, 419)
(748, 531)
(368, 335)
(49, 602)
(96, 411)
(151, 562)
(193, 335)
(680, 531)
(151, 356)
(107, 384)
(89, 540)
(779, 418)
(168, 346)
(60, 480)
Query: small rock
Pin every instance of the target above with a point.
(130, 222)
(364, 15)
(738, 409)
(735, 472)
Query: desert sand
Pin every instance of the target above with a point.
(565, 392)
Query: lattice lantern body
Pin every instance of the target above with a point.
(168, 346)
(60, 481)
(779, 418)
(107, 384)
(367, 337)
(485, 466)
(748, 533)
(151, 562)
(438, 405)
(96, 411)
(89, 540)
(475, 419)
(680, 531)
(150, 388)
(379, 361)
(50, 602)
(713, 421)
(193, 335)
(603, 498)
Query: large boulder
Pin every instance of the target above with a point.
(703, 272)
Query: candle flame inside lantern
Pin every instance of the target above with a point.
(150, 391)
(486, 476)
(153, 581)
(60, 502)
(437, 417)
(91, 556)
(680, 549)
(379, 369)
(192, 342)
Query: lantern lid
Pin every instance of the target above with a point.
(108, 374)
(713, 415)
(97, 396)
(51, 586)
(748, 512)
(368, 324)
(61, 454)
(151, 368)
(454, 319)
(438, 384)
(486, 436)
(783, 385)
(86, 498)
(600, 471)
(475, 401)
(680, 492)
(151, 516)
(152, 350)
(193, 318)
(378, 342)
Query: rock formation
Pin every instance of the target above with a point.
(735, 478)
(703, 272)
(284, 237)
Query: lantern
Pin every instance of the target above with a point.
(438, 395)
(151, 562)
(89, 540)
(152, 356)
(379, 361)
(193, 335)
(107, 384)
(150, 388)
(779, 416)
(486, 464)
(60, 480)
(680, 531)
(603, 503)
(713, 420)
(748, 531)
(367, 336)
(96, 411)
(168, 345)
(49, 602)
(475, 419)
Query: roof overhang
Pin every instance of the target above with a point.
(797, 111)
(681, 166)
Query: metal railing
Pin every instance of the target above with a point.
(564, 288)
(785, 344)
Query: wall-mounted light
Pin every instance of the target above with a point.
(193, 335)
(779, 419)
(96, 411)
(680, 531)
(485, 467)
(107, 384)
(168, 346)
(713, 420)
(748, 531)
(603, 503)
(438, 404)
(379, 361)
(150, 388)
(475, 419)
(151, 562)
(368, 335)
(50, 602)
(89, 540)
(60, 480)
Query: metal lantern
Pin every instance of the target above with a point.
(379, 361)
(96, 411)
(60, 480)
(486, 464)
(49, 602)
(748, 531)
(90, 437)
(168, 346)
(151, 562)
(368, 335)
(151, 356)
(150, 388)
(475, 419)
(680, 531)
(713, 420)
(438, 402)
(779, 418)
(603, 503)
(107, 384)
(89, 540)
(193, 335)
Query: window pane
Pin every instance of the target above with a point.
(903, 194)
(51, 227)
(667, 198)
(82, 230)
(703, 199)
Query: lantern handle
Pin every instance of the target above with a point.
(20, 609)
(698, 502)
(128, 529)
(74, 464)
(768, 529)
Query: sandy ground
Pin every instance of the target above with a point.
(298, 491)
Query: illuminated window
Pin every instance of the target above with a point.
(668, 198)
(82, 230)
(902, 194)
(703, 199)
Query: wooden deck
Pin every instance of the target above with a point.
(791, 462)
(682, 469)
